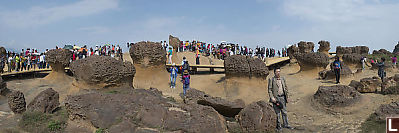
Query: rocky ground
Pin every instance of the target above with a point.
(304, 113)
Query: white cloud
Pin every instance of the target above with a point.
(37, 16)
(341, 10)
(347, 22)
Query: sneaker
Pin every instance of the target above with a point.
(288, 127)
(279, 128)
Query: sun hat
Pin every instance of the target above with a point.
(185, 72)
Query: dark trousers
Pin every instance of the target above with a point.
(281, 111)
(337, 73)
(197, 61)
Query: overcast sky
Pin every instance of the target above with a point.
(272, 23)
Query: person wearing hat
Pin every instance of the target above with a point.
(186, 82)
(278, 94)
(173, 74)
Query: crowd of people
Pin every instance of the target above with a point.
(222, 50)
(24, 60)
(32, 59)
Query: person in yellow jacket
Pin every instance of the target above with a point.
(22, 58)
(17, 63)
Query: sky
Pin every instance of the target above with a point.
(270, 23)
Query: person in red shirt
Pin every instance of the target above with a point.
(73, 56)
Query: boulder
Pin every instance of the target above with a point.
(242, 66)
(257, 117)
(305, 47)
(58, 59)
(343, 50)
(148, 54)
(223, 107)
(237, 66)
(393, 90)
(46, 102)
(352, 59)
(330, 74)
(336, 96)
(324, 47)
(103, 71)
(16, 102)
(367, 85)
(309, 61)
(143, 108)
(370, 84)
(258, 68)
(123, 127)
(396, 50)
(387, 110)
(363, 50)
(388, 82)
(382, 51)
(292, 50)
(174, 42)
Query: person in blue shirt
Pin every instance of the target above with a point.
(173, 74)
(337, 66)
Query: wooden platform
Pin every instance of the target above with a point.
(194, 67)
(199, 66)
(270, 62)
(273, 61)
(27, 72)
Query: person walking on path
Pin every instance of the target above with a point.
(363, 62)
(278, 93)
(337, 66)
(186, 82)
(173, 75)
(394, 60)
(381, 71)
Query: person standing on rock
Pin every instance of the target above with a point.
(278, 94)
(170, 55)
(173, 75)
(337, 66)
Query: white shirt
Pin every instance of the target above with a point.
(41, 58)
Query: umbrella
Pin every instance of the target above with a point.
(68, 47)
(76, 47)
(107, 44)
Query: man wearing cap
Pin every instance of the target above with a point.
(278, 94)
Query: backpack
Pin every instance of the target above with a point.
(186, 80)
(186, 66)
